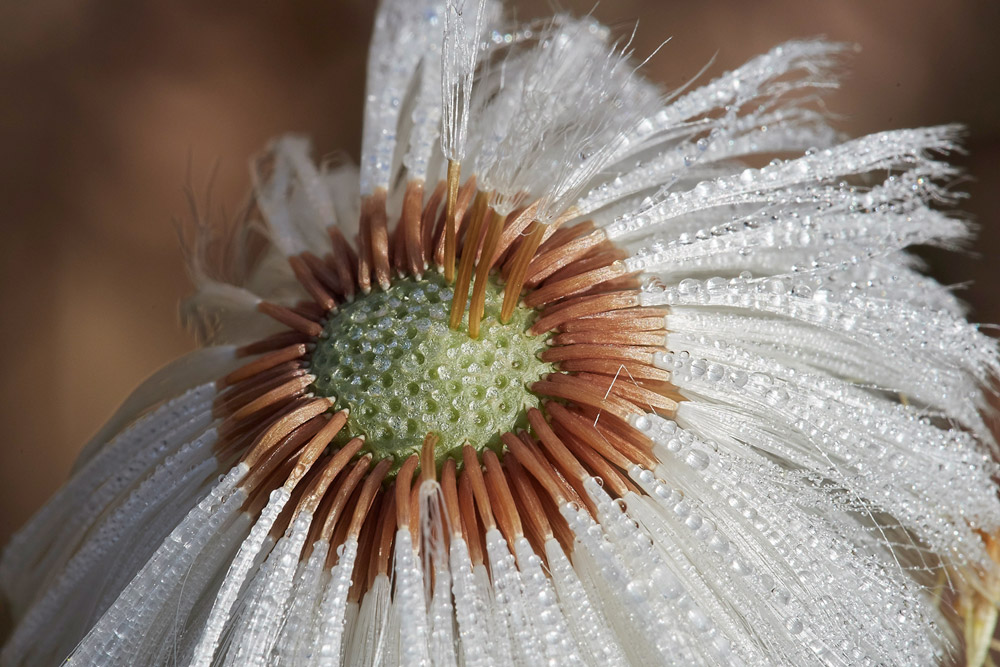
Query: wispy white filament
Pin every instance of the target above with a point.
(463, 35)
(471, 612)
(237, 574)
(326, 645)
(371, 634)
(411, 603)
(441, 612)
(265, 612)
(300, 623)
(115, 639)
(401, 30)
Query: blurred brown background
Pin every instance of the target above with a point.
(107, 107)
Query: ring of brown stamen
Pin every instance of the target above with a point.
(266, 462)
(386, 533)
(527, 459)
(367, 497)
(238, 395)
(290, 318)
(598, 324)
(554, 316)
(478, 302)
(427, 221)
(331, 281)
(622, 455)
(577, 284)
(321, 483)
(570, 388)
(534, 510)
(512, 232)
(563, 235)
(591, 351)
(474, 473)
(642, 373)
(272, 343)
(343, 260)
(602, 344)
(632, 392)
(264, 363)
(403, 480)
(413, 206)
(561, 255)
(470, 525)
(310, 281)
(351, 481)
(612, 337)
(501, 499)
(364, 565)
(550, 520)
(449, 489)
(605, 255)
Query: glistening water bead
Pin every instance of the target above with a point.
(391, 358)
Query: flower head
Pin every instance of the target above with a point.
(565, 371)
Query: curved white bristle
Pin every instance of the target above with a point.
(540, 604)
(325, 650)
(758, 79)
(548, 131)
(471, 611)
(249, 552)
(885, 150)
(266, 611)
(414, 627)
(80, 577)
(738, 493)
(402, 32)
(851, 437)
(464, 31)
(957, 359)
(370, 637)
(293, 197)
(199, 368)
(115, 639)
(731, 137)
(509, 597)
(50, 539)
(424, 115)
(594, 638)
(300, 623)
(441, 613)
(624, 598)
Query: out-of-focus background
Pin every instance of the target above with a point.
(107, 109)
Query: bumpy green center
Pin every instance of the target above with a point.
(391, 358)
